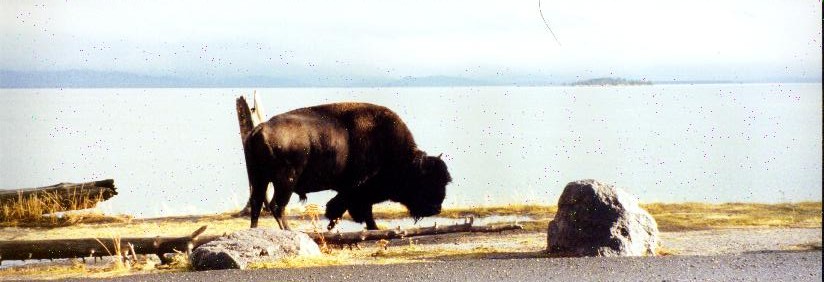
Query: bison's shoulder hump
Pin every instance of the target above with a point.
(351, 107)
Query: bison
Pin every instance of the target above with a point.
(363, 151)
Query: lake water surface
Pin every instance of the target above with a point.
(178, 151)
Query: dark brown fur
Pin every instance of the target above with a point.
(362, 151)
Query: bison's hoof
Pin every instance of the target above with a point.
(332, 224)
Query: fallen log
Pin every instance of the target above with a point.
(94, 247)
(248, 118)
(258, 114)
(63, 196)
(349, 238)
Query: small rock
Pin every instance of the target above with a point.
(239, 249)
(597, 219)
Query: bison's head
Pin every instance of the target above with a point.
(426, 187)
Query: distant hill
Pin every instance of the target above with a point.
(436, 81)
(609, 81)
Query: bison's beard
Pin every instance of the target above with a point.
(418, 213)
(424, 195)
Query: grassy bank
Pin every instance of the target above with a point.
(670, 217)
(701, 216)
(47, 209)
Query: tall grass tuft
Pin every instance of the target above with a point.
(312, 212)
(48, 209)
(116, 252)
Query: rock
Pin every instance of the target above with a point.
(597, 219)
(239, 249)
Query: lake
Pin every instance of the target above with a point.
(178, 151)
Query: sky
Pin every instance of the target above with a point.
(741, 40)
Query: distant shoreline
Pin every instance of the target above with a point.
(611, 81)
(99, 79)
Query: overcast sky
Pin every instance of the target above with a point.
(653, 39)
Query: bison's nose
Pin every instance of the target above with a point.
(433, 210)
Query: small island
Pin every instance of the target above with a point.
(609, 81)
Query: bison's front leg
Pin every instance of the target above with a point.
(370, 220)
(335, 209)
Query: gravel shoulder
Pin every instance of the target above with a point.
(773, 266)
(739, 241)
(690, 243)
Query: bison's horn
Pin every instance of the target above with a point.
(440, 155)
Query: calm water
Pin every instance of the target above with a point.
(177, 151)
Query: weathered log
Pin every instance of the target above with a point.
(348, 238)
(244, 117)
(258, 114)
(94, 247)
(248, 118)
(63, 196)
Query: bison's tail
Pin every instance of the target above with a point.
(253, 165)
(249, 157)
(256, 170)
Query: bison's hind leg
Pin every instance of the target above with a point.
(362, 213)
(277, 206)
(284, 182)
(257, 197)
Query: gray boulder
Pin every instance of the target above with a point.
(597, 219)
(239, 249)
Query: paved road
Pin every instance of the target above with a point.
(765, 266)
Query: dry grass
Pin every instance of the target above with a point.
(121, 262)
(664, 251)
(539, 225)
(809, 246)
(404, 252)
(116, 251)
(179, 262)
(46, 209)
(309, 261)
(700, 216)
(697, 216)
(77, 269)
